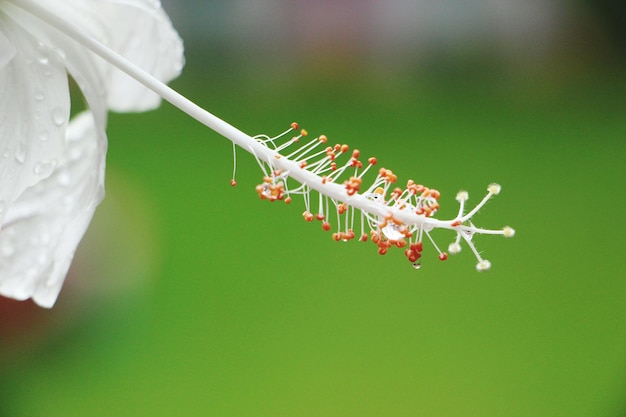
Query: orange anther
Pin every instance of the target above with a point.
(382, 251)
(319, 216)
(341, 208)
(443, 256)
(323, 138)
(287, 200)
(326, 226)
(233, 182)
(337, 237)
(400, 243)
(417, 246)
(356, 153)
(304, 132)
(372, 160)
(294, 126)
(344, 148)
(260, 189)
(363, 237)
(303, 164)
(307, 216)
(456, 223)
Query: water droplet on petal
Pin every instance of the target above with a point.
(58, 116)
(44, 169)
(417, 265)
(40, 96)
(42, 54)
(44, 135)
(20, 154)
(64, 178)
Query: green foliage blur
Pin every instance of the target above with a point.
(190, 297)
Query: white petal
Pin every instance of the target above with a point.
(139, 30)
(34, 110)
(46, 223)
(143, 34)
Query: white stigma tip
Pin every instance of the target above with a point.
(454, 248)
(494, 188)
(508, 231)
(483, 265)
(462, 196)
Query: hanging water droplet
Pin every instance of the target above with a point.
(417, 265)
(44, 169)
(58, 116)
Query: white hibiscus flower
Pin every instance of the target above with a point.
(52, 175)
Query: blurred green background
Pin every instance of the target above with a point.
(190, 297)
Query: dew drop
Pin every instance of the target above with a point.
(58, 116)
(44, 169)
(64, 179)
(42, 54)
(417, 265)
(20, 154)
